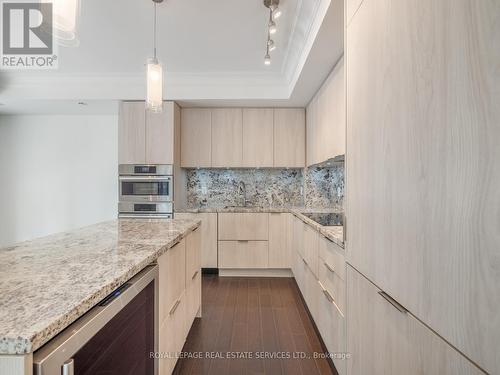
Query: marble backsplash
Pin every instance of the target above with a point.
(324, 186)
(318, 187)
(217, 188)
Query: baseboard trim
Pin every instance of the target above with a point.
(244, 272)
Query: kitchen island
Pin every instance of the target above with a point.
(48, 283)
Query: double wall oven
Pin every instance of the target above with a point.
(146, 191)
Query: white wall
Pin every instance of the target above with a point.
(56, 173)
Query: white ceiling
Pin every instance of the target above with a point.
(212, 50)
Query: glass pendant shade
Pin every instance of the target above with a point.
(66, 14)
(154, 77)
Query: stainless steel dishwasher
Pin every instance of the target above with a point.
(116, 337)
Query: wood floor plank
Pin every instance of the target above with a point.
(252, 316)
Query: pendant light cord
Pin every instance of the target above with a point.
(154, 34)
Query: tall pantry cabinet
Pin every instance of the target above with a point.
(423, 173)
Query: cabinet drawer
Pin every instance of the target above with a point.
(193, 297)
(172, 277)
(311, 237)
(193, 254)
(243, 226)
(308, 285)
(333, 255)
(332, 328)
(243, 254)
(279, 244)
(333, 284)
(298, 236)
(385, 339)
(172, 334)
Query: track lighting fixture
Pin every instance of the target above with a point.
(274, 13)
(267, 59)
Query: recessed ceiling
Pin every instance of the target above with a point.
(212, 50)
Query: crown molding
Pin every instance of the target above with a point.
(178, 86)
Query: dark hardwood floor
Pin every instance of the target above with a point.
(252, 317)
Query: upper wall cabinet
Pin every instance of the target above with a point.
(132, 133)
(423, 163)
(196, 135)
(243, 138)
(258, 137)
(145, 137)
(325, 121)
(289, 138)
(227, 136)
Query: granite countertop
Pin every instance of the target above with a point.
(48, 283)
(333, 233)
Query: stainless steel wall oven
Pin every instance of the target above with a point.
(145, 191)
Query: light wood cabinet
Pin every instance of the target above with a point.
(145, 137)
(132, 133)
(279, 243)
(333, 256)
(243, 137)
(258, 134)
(311, 132)
(227, 137)
(208, 236)
(332, 327)
(243, 254)
(308, 285)
(298, 236)
(193, 275)
(193, 255)
(422, 167)
(335, 287)
(331, 271)
(196, 137)
(160, 135)
(326, 120)
(383, 340)
(243, 226)
(179, 301)
(311, 238)
(289, 137)
(172, 279)
(351, 8)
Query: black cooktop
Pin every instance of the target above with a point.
(326, 219)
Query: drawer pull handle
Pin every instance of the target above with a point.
(174, 307)
(243, 241)
(393, 302)
(194, 275)
(328, 296)
(328, 267)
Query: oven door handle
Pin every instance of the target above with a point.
(145, 178)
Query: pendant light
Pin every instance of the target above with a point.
(154, 76)
(66, 14)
